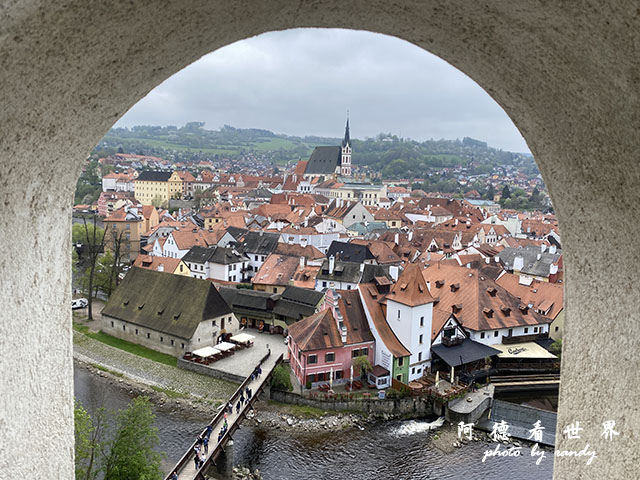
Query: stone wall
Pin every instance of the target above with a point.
(404, 407)
(205, 370)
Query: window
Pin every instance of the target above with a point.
(311, 359)
(324, 284)
(535, 329)
(399, 377)
(112, 323)
(329, 357)
(213, 323)
(136, 331)
(161, 339)
(356, 353)
(182, 345)
(124, 327)
(398, 314)
(481, 334)
(400, 361)
(148, 335)
(299, 354)
(556, 329)
(364, 351)
(413, 370)
(495, 334)
(348, 287)
(526, 330)
(420, 339)
(421, 322)
(510, 332)
(172, 342)
(419, 356)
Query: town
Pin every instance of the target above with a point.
(367, 287)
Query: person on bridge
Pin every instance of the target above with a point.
(174, 475)
(238, 407)
(205, 444)
(196, 460)
(208, 431)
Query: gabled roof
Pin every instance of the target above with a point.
(217, 255)
(411, 288)
(276, 270)
(153, 176)
(544, 296)
(372, 300)
(535, 261)
(260, 243)
(317, 332)
(296, 250)
(324, 160)
(350, 252)
(353, 317)
(478, 301)
(167, 264)
(173, 304)
(303, 296)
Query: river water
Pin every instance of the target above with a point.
(387, 450)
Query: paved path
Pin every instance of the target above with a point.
(186, 466)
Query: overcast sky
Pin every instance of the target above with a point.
(302, 82)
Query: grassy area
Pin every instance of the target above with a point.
(127, 346)
(169, 393)
(105, 369)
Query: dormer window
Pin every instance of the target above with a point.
(439, 283)
(505, 310)
(455, 287)
(492, 291)
(456, 308)
(488, 312)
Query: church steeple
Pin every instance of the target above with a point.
(346, 140)
(345, 158)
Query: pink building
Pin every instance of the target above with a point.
(327, 341)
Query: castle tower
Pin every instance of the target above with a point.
(345, 161)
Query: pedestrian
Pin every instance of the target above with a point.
(238, 407)
(249, 393)
(205, 444)
(174, 475)
(225, 425)
(259, 371)
(203, 458)
(242, 398)
(196, 460)
(208, 432)
(225, 414)
(196, 448)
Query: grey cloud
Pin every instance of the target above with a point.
(301, 82)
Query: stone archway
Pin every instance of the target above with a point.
(566, 73)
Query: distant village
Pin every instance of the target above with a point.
(334, 264)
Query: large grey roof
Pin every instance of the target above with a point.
(350, 252)
(266, 305)
(154, 176)
(261, 243)
(350, 272)
(302, 295)
(324, 160)
(532, 264)
(219, 255)
(172, 304)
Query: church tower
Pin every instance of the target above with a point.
(345, 161)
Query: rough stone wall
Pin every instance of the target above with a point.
(567, 73)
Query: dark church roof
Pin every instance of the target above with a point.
(324, 160)
(154, 176)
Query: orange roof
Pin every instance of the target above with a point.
(477, 300)
(276, 270)
(167, 264)
(317, 332)
(411, 288)
(296, 250)
(305, 277)
(544, 296)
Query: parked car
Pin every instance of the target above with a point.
(79, 303)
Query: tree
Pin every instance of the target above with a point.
(93, 246)
(556, 347)
(131, 454)
(88, 436)
(280, 378)
(506, 192)
(361, 364)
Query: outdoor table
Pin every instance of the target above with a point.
(225, 346)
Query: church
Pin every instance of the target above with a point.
(327, 161)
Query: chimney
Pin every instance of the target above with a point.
(410, 236)
(332, 264)
(396, 238)
(518, 263)
(261, 233)
(290, 240)
(302, 262)
(161, 267)
(487, 260)
(543, 248)
(553, 269)
(303, 242)
(361, 267)
(539, 256)
(553, 249)
(393, 272)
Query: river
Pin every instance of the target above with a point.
(386, 450)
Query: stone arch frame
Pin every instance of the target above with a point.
(565, 72)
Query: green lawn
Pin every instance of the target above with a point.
(128, 346)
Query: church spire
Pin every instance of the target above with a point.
(346, 140)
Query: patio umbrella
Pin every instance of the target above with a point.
(452, 373)
(331, 378)
(351, 377)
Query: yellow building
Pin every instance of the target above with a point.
(153, 186)
(125, 226)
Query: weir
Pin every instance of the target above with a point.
(186, 467)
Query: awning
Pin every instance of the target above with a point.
(224, 346)
(466, 352)
(379, 371)
(523, 350)
(242, 338)
(206, 352)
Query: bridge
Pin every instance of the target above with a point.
(520, 383)
(186, 467)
